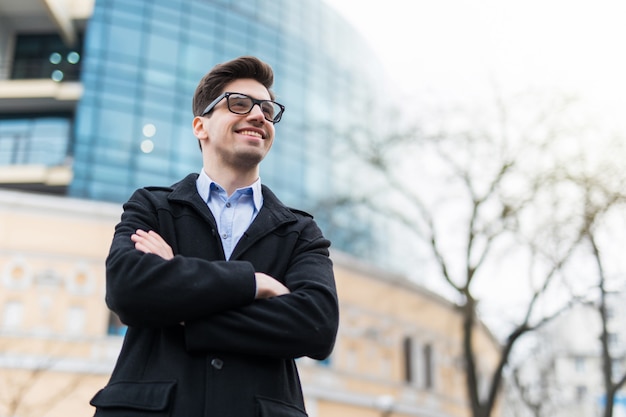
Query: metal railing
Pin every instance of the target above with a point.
(43, 69)
(20, 148)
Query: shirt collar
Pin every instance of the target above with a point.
(204, 182)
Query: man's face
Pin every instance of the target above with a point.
(236, 141)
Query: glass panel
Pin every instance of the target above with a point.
(116, 126)
(44, 140)
(163, 48)
(166, 14)
(126, 40)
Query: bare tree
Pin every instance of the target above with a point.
(478, 190)
(612, 382)
(596, 184)
(18, 380)
(535, 390)
(601, 188)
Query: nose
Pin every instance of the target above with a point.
(256, 113)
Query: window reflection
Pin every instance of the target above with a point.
(46, 56)
(42, 140)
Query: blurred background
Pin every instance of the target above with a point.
(466, 160)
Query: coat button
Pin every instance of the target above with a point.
(217, 363)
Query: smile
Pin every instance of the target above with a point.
(251, 133)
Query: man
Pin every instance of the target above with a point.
(220, 284)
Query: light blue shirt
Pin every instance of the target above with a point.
(233, 213)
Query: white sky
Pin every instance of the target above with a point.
(456, 47)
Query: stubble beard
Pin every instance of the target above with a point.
(246, 160)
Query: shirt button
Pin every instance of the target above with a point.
(217, 363)
(225, 236)
(228, 204)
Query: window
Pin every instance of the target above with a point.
(75, 324)
(41, 140)
(617, 367)
(12, 315)
(418, 363)
(16, 274)
(385, 365)
(610, 313)
(581, 393)
(428, 371)
(407, 353)
(579, 364)
(350, 357)
(46, 56)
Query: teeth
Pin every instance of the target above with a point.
(251, 133)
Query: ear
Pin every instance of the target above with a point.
(198, 128)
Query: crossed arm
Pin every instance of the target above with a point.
(152, 242)
(218, 313)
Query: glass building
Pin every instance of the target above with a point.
(137, 64)
(144, 59)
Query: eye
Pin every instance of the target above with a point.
(268, 109)
(239, 103)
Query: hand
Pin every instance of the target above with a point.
(267, 287)
(152, 242)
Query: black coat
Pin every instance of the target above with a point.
(234, 355)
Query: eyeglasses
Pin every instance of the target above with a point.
(239, 103)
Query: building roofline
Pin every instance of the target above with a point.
(373, 272)
(369, 270)
(65, 17)
(25, 201)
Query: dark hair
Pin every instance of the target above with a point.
(213, 83)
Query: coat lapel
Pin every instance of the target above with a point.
(273, 214)
(186, 192)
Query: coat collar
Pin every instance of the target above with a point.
(273, 213)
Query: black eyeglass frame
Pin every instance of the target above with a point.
(227, 94)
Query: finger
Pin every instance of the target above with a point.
(166, 249)
(155, 235)
(149, 238)
(147, 245)
(141, 247)
(152, 242)
(157, 243)
(157, 239)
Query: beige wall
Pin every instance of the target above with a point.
(53, 346)
(55, 352)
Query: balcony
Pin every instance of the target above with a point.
(35, 153)
(38, 95)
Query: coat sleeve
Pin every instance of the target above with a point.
(302, 323)
(145, 290)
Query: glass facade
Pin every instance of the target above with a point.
(42, 140)
(143, 61)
